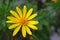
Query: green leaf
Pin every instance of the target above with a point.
(46, 24)
(50, 4)
(40, 26)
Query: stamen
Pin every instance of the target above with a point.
(23, 21)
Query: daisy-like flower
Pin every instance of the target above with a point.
(22, 19)
(55, 1)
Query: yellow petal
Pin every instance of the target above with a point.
(33, 22)
(28, 31)
(13, 26)
(23, 31)
(33, 27)
(14, 14)
(11, 21)
(29, 13)
(32, 16)
(24, 11)
(19, 11)
(12, 18)
(16, 30)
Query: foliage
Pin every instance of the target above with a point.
(44, 18)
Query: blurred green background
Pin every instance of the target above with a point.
(48, 15)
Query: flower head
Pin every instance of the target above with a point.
(22, 19)
(55, 1)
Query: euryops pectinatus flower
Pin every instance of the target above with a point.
(55, 1)
(22, 19)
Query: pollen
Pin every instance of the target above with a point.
(23, 21)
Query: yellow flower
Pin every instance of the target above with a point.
(22, 20)
(55, 1)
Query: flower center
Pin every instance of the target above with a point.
(23, 21)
